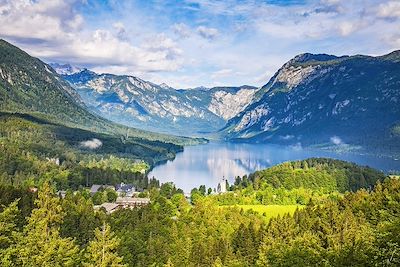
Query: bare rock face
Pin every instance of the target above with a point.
(227, 105)
(294, 75)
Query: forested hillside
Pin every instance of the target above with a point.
(33, 150)
(299, 182)
(27, 85)
(318, 173)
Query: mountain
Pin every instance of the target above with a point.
(142, 104)
(326, 100)
(65, 69)
(29, 86)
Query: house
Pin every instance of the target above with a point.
(109, 207)
(54, 160)
(61, 194)
(32, 189)
(123, 203)
(126, 190)
(98, 187)
(132, 202)
(95, 188)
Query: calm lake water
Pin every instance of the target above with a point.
(207, 164)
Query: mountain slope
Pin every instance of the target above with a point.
(27, 85)
(138, 103)
(324, 99)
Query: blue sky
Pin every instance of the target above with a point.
(191, 43)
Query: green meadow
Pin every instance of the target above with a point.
(271, 211)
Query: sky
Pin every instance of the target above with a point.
(191, 43)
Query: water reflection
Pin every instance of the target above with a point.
(207, 164)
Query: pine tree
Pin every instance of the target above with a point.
(41, 244)
(8, 224)
(80, 219)
(101, 251)
(217, 263)
(8, 233)
(169, 263)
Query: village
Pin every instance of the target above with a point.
(121, 195)
(128, 196)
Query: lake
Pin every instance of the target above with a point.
(207, 164)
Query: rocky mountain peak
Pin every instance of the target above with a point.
(82, 76)
(393, 56)
(165, 86)
(308, 57)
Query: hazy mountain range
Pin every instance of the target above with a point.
(138, 103)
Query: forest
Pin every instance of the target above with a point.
(33, 150)
(332, 228)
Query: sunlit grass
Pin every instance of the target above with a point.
(270, 211)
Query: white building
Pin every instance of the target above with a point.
(221, 188)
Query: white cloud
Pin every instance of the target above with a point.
(222, 73)
(58, 35)
(92, 144)
(286, 137)
(216, 42)
(390, 9)
(207, 33)
(120, 29)
(348, 27)
(296, 146)
(181, 29)
(336, 140)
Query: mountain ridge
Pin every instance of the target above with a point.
(30, 86)
(354, 98)
(135, 102)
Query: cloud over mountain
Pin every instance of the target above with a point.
(184, 43)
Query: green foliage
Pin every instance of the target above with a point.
(30, 149)
(168, 190)
(80, 219)
(41, 244)
(8, 227)
(101, 252)
(299, 182)
(350, 229)
(170, 231)
(327, 175)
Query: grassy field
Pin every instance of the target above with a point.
(270, 211)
